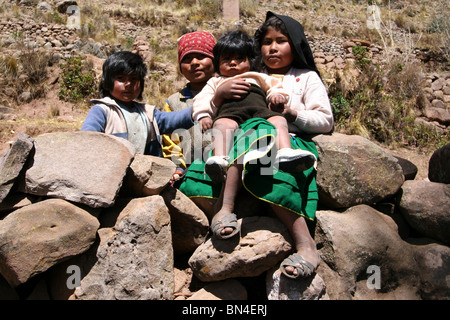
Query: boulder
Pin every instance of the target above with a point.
(189, 224)
(12, 163)
(229, 289)
(353, 170)
(38, 236)
(425, 206)
(135, 257)
(439, 168)
(263, 242)
(409, 168)
(147, 175)
(433, 260)
(363, 257)
(153, 241)
(280, 287)
(75, 166)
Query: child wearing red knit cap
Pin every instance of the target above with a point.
(195, 59)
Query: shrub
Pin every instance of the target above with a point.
(78, 82)
(382, 105)
(341, 109)
(360, 54)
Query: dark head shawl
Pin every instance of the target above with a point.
(303, 55)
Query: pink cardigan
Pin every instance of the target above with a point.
(309, 97)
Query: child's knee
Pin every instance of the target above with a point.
(278, 121)
(225, 124)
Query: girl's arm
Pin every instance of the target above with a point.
(95, 120)
(317, 115)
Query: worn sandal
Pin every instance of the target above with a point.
(228, 221)
(304, 268)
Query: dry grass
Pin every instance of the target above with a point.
(24, 74)
(380, 103)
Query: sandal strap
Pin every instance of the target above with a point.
(304, 267)
(227, 221)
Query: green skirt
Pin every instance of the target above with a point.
(254, 143)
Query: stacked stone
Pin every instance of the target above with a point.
(330, 53)
(38, 34)
(436, 106)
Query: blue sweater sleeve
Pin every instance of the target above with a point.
(170, 121)
(95, 120)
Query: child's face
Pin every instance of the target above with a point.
(232, 65)
(276, 51)
(197, 68)
(127, 88)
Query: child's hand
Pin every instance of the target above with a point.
(176, 176)
(233, 89)
(277, 103)
(205, 123)
(289, 114)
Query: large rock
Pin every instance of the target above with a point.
(363, 257)
(439, 165)
(135, 257)
(189, 224)
(12, 162)
(38, 236)
(229, 289)
(263, 242)
(426, 207)
(63, 5)
(353, 170)
(84, 167)
(147, 175)
(433, 261)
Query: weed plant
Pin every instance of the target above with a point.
(78, 80)
(381, 104)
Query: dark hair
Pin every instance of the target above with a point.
(273, 22)
(122, 62)
(237, 42)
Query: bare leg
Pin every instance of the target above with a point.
(230, 190)
(283, 138)
(304, 243)
(223, 130)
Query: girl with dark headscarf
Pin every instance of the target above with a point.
(293, 197)
(285, 51)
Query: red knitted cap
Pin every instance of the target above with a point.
(198, 42)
